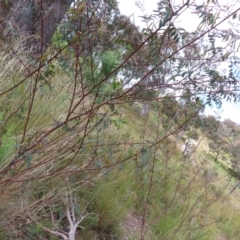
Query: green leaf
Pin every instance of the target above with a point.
(160, 24)
(199, 7)
(114, 86)
(165, 20)
(166, 16)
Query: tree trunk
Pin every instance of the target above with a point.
(34, 20)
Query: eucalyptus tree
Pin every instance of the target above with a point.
(37, 20)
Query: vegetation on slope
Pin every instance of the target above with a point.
(91, 143)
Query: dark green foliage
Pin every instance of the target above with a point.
(170, 107)
(211, 126)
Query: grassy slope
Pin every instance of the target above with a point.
(184, 201)
(148, 188)
(210, 179)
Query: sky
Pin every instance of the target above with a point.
(189, 22)
(129, 8)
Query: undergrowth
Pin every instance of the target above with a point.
(111, 161)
